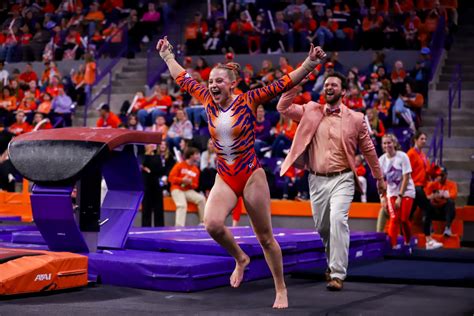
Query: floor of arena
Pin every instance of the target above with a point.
(306, 297)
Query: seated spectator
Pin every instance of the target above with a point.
(208, 168)
(401, 111)
(284, 133)
(26, 76)
(46, 105)
(239, 31)
(20, 126)
(184, 180)
(7, 106)
(28, 104)
(107, 118)
(181, 128)
(156, 105)
(397, 78)
(41, 122)
(442, 194)
(62, 107)
(262, 132)
(414, 101)
(195, 34)
(159, 126)
(203, 68)
(7, 171)
(133, 123)
(411, 28)
(4, 74)
(354, 99)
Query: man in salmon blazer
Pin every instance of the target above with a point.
(325, 144)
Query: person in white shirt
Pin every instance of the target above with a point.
(398, 201)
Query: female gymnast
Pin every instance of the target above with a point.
(231, 125)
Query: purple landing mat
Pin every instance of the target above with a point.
(6, 231)
(170, 271)
(28, 237)
(23, 246)
(197, 241)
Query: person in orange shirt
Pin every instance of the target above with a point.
(184, 180)
(195, 33)
(157, 104)
(421, 171)
(26, 76)
(41, 122)
(442, 194)
(45, 106)
(414, 101)
(285, 67)
(284, 133)
(360, 172)
(20, 126)
(107, 118)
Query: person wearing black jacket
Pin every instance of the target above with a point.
(155, 169)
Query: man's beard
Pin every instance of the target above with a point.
(335, 99)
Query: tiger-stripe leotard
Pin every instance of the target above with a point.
(232, 130)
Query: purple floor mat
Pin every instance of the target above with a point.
(23, 246)
(6, 231)
(196, 240)
(169, 271)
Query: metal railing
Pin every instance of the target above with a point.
(437, 46)
(454, 91)
(436, 146)
(104, 68)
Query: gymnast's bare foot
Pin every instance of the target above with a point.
(238, 274)
(281, 299)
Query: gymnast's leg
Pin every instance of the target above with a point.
(257, 203)
(220, 202)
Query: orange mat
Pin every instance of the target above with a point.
(30, 271)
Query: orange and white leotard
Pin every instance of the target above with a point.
(232, 130)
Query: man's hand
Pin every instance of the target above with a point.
(381, 187)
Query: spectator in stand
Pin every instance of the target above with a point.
(46, 105)
(26, 76)
(4, 74)
(442, 194)
(54, 86)
(414, 101)
(195, 34)
(203, 68)
(398, 201)
(239, 32)
(20, 126)
(208, 168)
(181, 128)
(159, 126)
(93, 18)
(281, 37)
(38, 43)
(16, 91)
(421, 176)
(360, 172)
(107, 118)
(133, 124)
(7, 106)
(284, 133)
(397, 78)
(421, 72)
(216, 42)
(28, 105)
(373, 93)
(376, 128)
(62, 107)
(372, 36)
(184, 180)
(400, 111)
(7, 171)
(149, 22)
(152, 204)
(262, 132)
(89, 75)
(9, 47)
(157, 105)
(41, 122)
(305, 30)
(318, 85)
(410, 30)
(355, 100)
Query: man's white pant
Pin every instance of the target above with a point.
(331, 198)
(181, 199)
